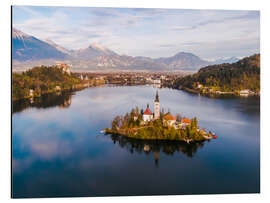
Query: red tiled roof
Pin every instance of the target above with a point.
(185, 120)
(147, 112)
(168, 116)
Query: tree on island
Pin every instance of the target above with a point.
(132, 125)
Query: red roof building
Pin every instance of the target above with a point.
(169, 119)
(186, 121)
(169, 116)
(147, 115)
(147, 112)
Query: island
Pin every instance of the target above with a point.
(158, 126)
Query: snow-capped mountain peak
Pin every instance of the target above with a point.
(18, 34)
(98, 46)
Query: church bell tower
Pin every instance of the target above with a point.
(157, 107)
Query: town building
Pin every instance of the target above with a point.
(156, 81)
(65, 67)
(31, 93)
(244, 92)
(199, 86)
(57, 88)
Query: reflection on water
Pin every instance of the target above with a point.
(56, 151)
(156, 146)
(61, 99)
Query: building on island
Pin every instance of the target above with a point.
(169, 119)
(185, 122)
(157, 107)
(147, 115)
(135, 117)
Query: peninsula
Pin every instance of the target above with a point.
(42, 80)
(240, 78)
(157, 126)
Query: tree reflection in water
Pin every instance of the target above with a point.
(61, 99)
(156, 146)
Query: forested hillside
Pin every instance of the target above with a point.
(41, 80)
(244, 74)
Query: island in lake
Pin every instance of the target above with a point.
(143, 124)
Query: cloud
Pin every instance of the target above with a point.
(167, 45)
(143, 32)
(182, 28)
(29, 10)
(247, 16)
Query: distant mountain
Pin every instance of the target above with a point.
(183, 60)
(26, 47)
(92, 51)
(58, 47)
(226, 60)
(29, 51)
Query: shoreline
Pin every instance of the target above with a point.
(75, 87)
(135, 136)
(157, 140)
(82, 86)
(217, 94)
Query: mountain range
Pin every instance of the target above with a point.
(29, 51)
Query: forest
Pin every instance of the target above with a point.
(244, 74)
(41, 80)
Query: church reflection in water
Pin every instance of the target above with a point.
(156, 147)
(61, 99)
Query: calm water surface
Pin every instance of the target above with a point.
(58, 149)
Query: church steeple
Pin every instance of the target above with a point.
(157, 107)
(157, 98)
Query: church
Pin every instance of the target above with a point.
(148, 115)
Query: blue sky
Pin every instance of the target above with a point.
(209, 34)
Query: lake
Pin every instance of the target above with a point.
(59, 151)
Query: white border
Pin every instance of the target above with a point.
(189, 4)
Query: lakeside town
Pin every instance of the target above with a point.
(79, 80)
(27, 84)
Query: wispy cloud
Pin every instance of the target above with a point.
(149, 32)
